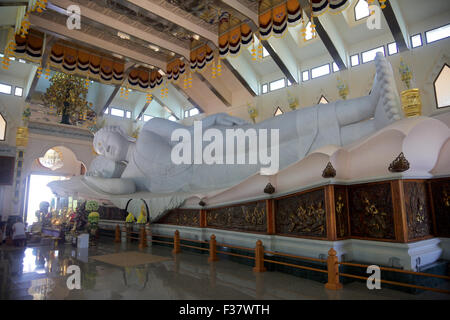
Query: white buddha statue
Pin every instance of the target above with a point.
(149, 166)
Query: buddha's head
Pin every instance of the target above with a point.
(112, 142)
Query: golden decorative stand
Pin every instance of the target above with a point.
(411, 103)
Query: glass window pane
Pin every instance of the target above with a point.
(416, 41)
(106, 111)
(354, 60)
(193, 112)
(392, 48)
(278, 84)
(441, 85)
(320, 71)
(305, 75)
(438, 34)
(2, 127)
(369, 55)
(265, 88)
(335, 67)
(18, 91)
(172, 118)
(309, 34)
(128, 115)
(361, 10)
(117, 112)
(5, 88)
(186, 113)
(265, 53)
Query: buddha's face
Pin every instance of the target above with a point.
(112, 145)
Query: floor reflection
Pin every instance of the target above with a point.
(41, 273)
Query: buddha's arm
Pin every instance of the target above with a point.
(112, 185)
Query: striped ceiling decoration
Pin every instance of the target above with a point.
(334, 6)
(29, 48)
(144, 80)
(232, 34)
(201, 56)
(276, 15)
(175, 68)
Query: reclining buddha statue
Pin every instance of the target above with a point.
(127, 165)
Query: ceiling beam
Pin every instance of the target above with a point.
(14, 4)
(324, 26)
(397, 25)
(117, 88)
(143, 110)
(123, 27)
(188, 98)
(213, 90)
(49, 41)
(100, 44)
(240, 78)
(172, 16)
(165, 107)
(275, 47)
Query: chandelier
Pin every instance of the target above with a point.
(52, 159)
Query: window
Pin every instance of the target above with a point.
(369, 55)
(441, 85)
(323, 100)
(146, 118)
(2, 128)
(416, 40)
(106, 111)
(309, 34)
(172, 118)
(320, 71)
(5, 88)
(335, 67)
(354, 60)
(265, 52)
(265, 88)
(305, 75)
(277, 84)
(128, 114)
(437, 34)
(117, 112)
(392, 48)
(18, 91)
(191, 112)
(361, 10)
(278, 111)
(288, 83)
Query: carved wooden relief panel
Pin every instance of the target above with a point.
(371, 211)
(302, 215)
(182, 217)
(341, 209)
(417, 209)
(246, 217)
(440, 191)
(112, 213)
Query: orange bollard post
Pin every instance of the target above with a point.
(176, 242)
(141, 238)
(145, 237)
(259, 257)
(212, 249)
(117, 238)
(333, 271)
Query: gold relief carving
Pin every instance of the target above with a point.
(446, 198)
(400, 164)
(440, 193)
(417, 212)
(302, 215)
(371, 211)
(246, 217)
(181, 217)
(340, 215)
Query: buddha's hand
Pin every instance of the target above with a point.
(223, 119)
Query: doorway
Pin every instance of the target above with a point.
(38, 192)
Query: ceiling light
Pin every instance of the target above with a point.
(123, 35)
(172, 54)
(117, 56)
(196, 37)
(161, 72)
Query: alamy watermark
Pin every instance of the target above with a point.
(74, 280)
(237, 146)
(74, 17)
(374, 19)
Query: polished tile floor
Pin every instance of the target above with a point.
(41, 273)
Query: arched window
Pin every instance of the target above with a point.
(362, 10)
(278, 111)
(323, 100)
(2, 128)
(441, 85)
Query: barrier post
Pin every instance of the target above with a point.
(117, 238)
(333, 271)
(142, 242)
(145, 237)
(212, 249)
(176, 242)
(259, 257)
